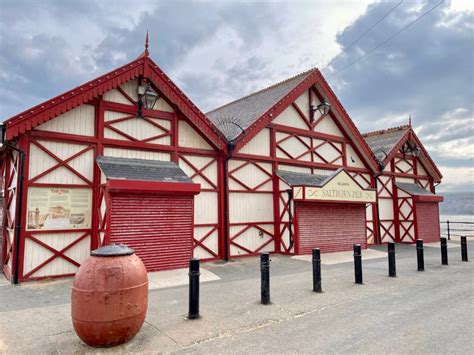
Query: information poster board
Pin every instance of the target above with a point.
(59, 208)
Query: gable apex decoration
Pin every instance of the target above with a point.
(141, 66)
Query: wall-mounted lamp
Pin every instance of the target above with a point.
(415, 150)
(323, 109)
(147, 98)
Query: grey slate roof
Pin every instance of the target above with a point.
(302, 179)
(382, 142)
(413, 189)
(140, 169)
(246, 110)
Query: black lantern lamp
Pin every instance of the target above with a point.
(147, 98)
(416, 151)
(323, 109)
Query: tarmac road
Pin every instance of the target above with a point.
(417, 312)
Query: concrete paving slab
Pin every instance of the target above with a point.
(171, 278)
(343, 256)
(438, 245)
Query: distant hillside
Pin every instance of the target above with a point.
(457, 203)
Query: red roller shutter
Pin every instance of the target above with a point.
(427, 216)
(159, 228)
(330, 227)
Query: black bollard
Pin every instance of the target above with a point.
(358, 263)
(317, 270)
(265, 273)
(464, 249)
(193, 288)
(444, 251)
(419, 255)
(392, 269)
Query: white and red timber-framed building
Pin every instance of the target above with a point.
(267, 172)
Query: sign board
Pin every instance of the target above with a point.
(341, 187)
(51, 208)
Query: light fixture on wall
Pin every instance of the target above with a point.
(323, 109)
(416, 151)
(147, 98)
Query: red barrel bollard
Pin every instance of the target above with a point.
(109, 296)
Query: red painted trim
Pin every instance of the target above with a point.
(424, 198)
(138, 186)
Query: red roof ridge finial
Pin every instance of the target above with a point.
(146, 44)
(409, 120)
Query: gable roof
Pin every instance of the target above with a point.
(141, 169)
(142, 66)
(255, 111)
(382, 142)
(248, 109)
(386, 143)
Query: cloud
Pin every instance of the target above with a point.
(427, 71)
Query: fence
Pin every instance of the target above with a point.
(456, 229)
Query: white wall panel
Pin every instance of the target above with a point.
(294, 147)
(116, 96)
(40, 161)
(199, 162)
(211, 242)
(420, 169)
(327, 126)
(205, 208)
(162, 105)
(35, 254)
(386, 209)
(295, 169)
(250, 207)
(327, 151)
(352, 157)
(258, 145)
(252, 239)
(291, 118)
(80, 121)
(303, 103)
(251, 175)
(136, 154)
(188, 137)
(131, 88)
(403, 179)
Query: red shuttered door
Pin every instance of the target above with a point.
(330, 227)
(427, 216)
(159, 228)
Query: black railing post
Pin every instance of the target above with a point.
(193, 288)
(358, 264)
(419, 255)
(265, 275)
(392, 269)
(449, 234)
(444, 251)
(464, 249)
(317, 270)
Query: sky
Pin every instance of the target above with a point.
(221, 50)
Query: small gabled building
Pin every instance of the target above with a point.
(68, 191)
(406, 196)
(281, 141)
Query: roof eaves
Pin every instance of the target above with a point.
(68, 100)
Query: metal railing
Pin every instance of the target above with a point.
(456, 229)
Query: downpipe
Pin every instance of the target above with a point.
(231, 147)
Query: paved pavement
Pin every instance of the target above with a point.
(417, 312)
